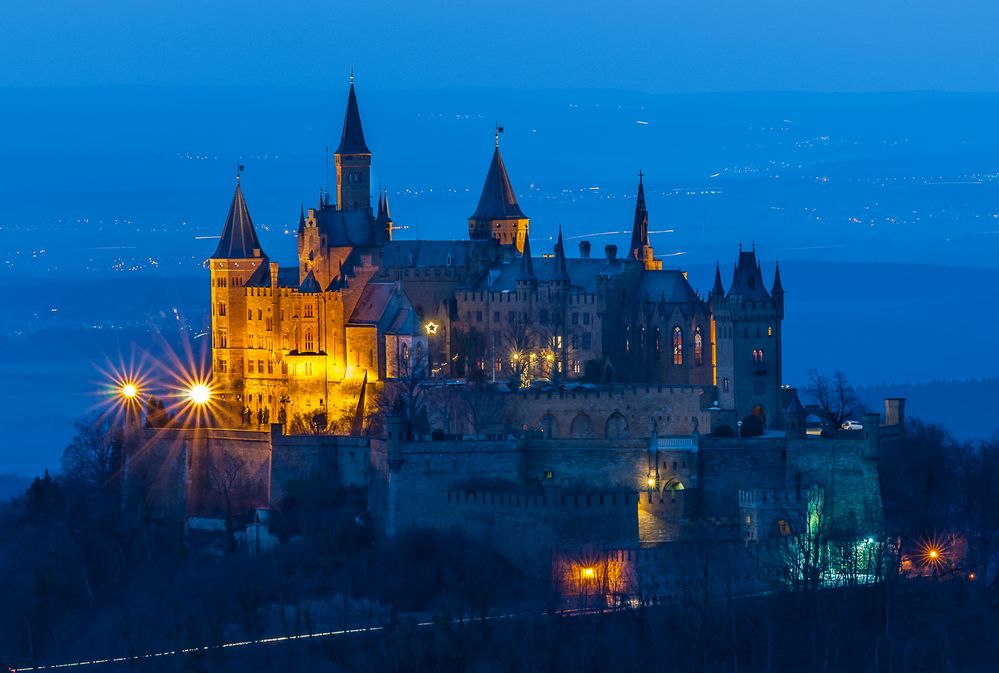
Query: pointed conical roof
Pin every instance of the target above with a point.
(526, 263)
(239, 238)
(497, 202)
(640, 230)
(301, 218)
(748, 279)
(352, 138)
(718, 287)
(778, 288)
(561, 273)
(310, 285)
(795, 407)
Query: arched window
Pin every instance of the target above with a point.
(309, 342)
(698, 346)
(405, 355)
(659, 340)
(677, 346)
(758, 356)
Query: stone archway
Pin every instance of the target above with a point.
(616, 426)
(581, 427)
(549, 426)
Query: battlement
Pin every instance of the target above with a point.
(774, 498)
(543, 500)
(608, 391)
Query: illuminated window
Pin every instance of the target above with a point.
(677, 346)
(770, 331)
(698, 346)
(658, 341)
(249, 366)
(758, 356)
(223, 366)
(725, 384)
(260, 366)
(575, 367)
(308, 340)
(223, 339)
(308, 369)
(405, 352)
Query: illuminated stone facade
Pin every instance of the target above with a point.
(360, 310)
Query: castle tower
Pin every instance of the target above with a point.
(236, 258)
(353, 160)
(640, 248)
(498, 214)
(747, 331)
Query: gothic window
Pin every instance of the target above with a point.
(758, 356)
(221, 308)
(223, 339)
(770, 331)
(575, 366)
(405, 354)
(587, 341)
(308, 369)
(308, 340)
(249, 366)
(223, 366)
(308, 310)
(260, 366)
(698, 346)
(677, 346)
(249, 314)
(725, 384)
(260, 314)
(270, 367)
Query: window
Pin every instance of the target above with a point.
(758, 356)
(405, 353)
(270, 367)
(575, 318)
(677, 346)
(574, 341)
(770, 331)
(223, 339)
(698, 346)
(478, 316)
(725, 384)
(249, 314)
(657, 341)
(586, 341)
(223, 366)
(498, 365)
(308, 341)
(249, 366)
(511, 317)
(308, 310)
(575, 366)
(221, 308)
(586, 318)
(308, 369)
(260, 314)
(260, 366)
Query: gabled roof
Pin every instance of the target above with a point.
(287, 277)
(352, 138)
(239, 238)
(373, 303)
(310, 285)
(747, 279)
(669, 286)
(497, 201)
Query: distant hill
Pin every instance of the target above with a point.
(968, 409)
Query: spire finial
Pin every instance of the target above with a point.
(640, 174)
(239, 169)
(352, 75)
(499, 130)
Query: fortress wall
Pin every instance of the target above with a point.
(343, 461)
(847, 474)
(727, 467)
(675, 409)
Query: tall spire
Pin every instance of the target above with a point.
(239, 238)
(498, 200)
(778, 288)
(718, 287)
(352, 138)
(561, 273)
(526, 263)
(640, 230)
(301, 218)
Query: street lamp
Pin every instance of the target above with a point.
(199, 394)
(129, 391)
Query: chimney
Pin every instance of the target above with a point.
(611, 252)
(584, 249)
(894, 411)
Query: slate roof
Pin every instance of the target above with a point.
(409, 253)
(747, 280)
(352, 138)
(497, 201)
(582, 272)
(372, 305)
(310, 285)
(287, 277)
(667, 285)
(345, 227)
(239, 238)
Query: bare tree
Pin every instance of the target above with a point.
(482, 406)
(227, 477)
(92, 453)
(836, 397)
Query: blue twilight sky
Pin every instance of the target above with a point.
(697, 45)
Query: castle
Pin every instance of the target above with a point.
(590, 413)
(359, 307)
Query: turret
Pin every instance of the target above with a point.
(718, 290)
(795, 417)
(498, 214)
(353, 160)
(383, 221)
